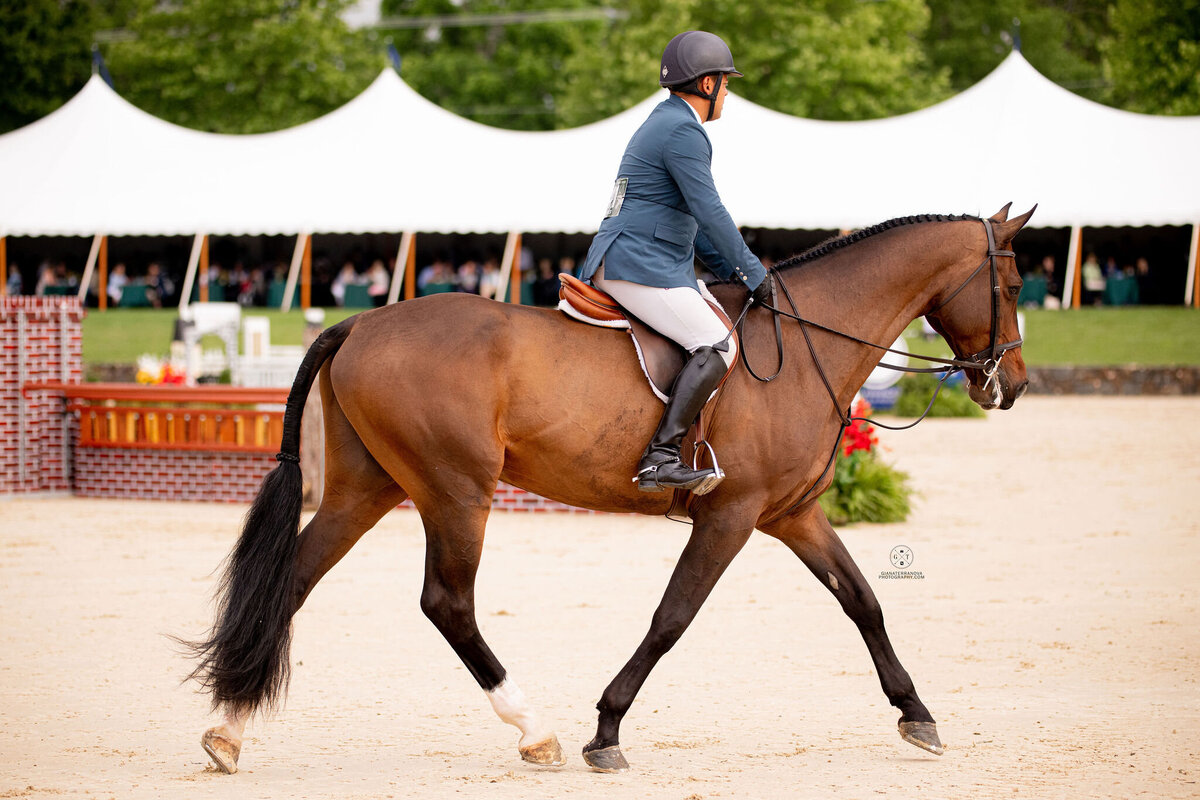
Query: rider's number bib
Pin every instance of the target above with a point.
(618, 197)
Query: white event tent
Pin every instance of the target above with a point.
(391, 161)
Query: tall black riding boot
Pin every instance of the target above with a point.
(661, 467)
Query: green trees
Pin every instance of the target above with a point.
(242, 67)
(508, 75)
(44, 56)
(830, 59)
(1153, 56)
(1059, 37)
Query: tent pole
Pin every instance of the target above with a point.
(306, 275)
(205, 275)
(410, 272)
(293, 272)
(400, 271)
(1070, 298)
(189, 278)
(1191, 292)
(3, 266)
(512, 250)
(89, 268)
(514, 292)
(103, 299)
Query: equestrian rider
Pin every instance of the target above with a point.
(664, 211)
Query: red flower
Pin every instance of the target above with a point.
(859, 435)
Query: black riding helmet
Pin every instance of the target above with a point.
(690, 56)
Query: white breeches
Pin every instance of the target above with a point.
(679, 313)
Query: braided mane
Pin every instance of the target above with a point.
(840, 242)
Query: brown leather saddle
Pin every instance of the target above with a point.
(661, 358)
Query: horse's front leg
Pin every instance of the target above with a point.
(810, 536)
(709, 551)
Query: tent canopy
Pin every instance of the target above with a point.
(389, 160)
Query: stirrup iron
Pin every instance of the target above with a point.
(711, 481)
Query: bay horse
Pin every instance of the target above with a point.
(439, 398)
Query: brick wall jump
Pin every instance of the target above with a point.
(40, 341)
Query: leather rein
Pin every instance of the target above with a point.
(986, 360)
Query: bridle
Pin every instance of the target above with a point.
(994, 352)
(987, 360)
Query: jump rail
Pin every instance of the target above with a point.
(219, 418)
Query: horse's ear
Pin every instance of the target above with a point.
(1002, 214)
(1006, 230)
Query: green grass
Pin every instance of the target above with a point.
(1085, 337)
(120, 335)
(1150, 336)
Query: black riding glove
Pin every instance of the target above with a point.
(763, 295)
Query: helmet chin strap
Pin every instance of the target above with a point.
(711, 97)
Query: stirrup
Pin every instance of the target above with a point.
(704, 486)
(717, 475)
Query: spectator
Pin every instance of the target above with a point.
(159, 287)
(256, 289)
(378, 281)
(117, 281)
(45, 277)
(545, 287)
(239, 281)
(13, 285)
(468, 277)
(1146, 289)
(1047, 272)
(489, 280)
(437, 278)
(1093, 281)
(346, 277)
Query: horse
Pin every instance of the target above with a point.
(438, 399)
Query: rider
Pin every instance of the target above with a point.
(665, 210)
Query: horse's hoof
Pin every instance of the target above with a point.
(606, 759)
(922, 734)
(547, 753)
(222, 750)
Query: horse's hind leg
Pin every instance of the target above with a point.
(454, 544)
(358, 492)
(812, 538)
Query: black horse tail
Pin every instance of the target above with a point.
(244, 663)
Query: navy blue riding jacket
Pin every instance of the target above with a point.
(665, 210)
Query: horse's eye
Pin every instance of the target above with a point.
(1014, 291)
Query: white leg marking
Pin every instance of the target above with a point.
(235, 724)
(510, 705)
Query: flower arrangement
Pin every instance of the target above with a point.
(153, 370)
(864, 488)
